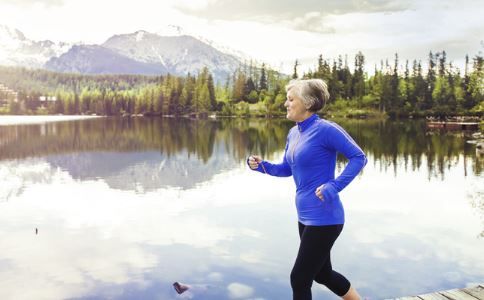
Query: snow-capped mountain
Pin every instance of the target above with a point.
(241, 56)
(175, 30)
(170, 50)
(179, 54)
(17, 50)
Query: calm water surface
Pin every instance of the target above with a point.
(125, 207)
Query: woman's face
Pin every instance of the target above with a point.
(296, 111)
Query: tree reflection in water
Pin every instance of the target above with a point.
(389, 144)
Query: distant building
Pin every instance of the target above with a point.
(45, 100)
(7, 95)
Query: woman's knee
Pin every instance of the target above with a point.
(334, 281)
(299, 281)
(323, 278)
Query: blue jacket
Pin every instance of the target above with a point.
(310, 157)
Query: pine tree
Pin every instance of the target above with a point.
(263, 78)
(428, 103)
(77, 106)
(294, 75)
(334, 84)
(453, 93)
(417, 92)
(239, 85)
(211, 92)
(409, 101)
(320, 72)
(468, 99)
(347, 81)
(358, 89)
(476, 82)
(186, 97)
(442, 58)
(248, 88)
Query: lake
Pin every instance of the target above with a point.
(121, 208)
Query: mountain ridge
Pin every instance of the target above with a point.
(140, 52)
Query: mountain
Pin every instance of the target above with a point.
(174, 30)
(93, 59)
(170, 51)
(179, 54)
(142, 52)
(17, 50)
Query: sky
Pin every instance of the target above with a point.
(276, 32)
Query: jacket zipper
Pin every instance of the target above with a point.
(297, 141)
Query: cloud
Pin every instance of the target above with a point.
(276, 32)
(65, 20)
(307, 15)
(286, 10)
(46, 3)
(238, 290)
(312, 21)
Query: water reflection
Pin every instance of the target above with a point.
(148, 154)
(125, 207)
(170, 149)
(99, 242)
(404, 145)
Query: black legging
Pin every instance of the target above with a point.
(313, 262)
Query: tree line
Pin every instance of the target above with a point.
(440, 89)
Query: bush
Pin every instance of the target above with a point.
(4, 110)
(242, 109)
(41, 111)
(227, 109)
(253, 97)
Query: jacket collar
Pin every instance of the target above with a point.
(301, 126)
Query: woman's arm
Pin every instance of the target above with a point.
(338, 139)
(280, 170)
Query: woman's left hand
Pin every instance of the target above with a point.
(319, 192)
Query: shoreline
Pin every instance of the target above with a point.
(7, 120)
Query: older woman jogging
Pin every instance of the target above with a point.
(310, 158)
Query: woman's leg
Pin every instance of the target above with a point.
(352, 294)
(316, 243)
(333, 280)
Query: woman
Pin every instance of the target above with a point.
(310, 157)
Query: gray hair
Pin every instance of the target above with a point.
(313, 92)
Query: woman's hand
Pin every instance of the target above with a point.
(319, 192)
(254, 161)
(327, 192)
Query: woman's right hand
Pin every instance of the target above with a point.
(254, 161)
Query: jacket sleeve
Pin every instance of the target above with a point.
(338, 139)
(280, 170)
